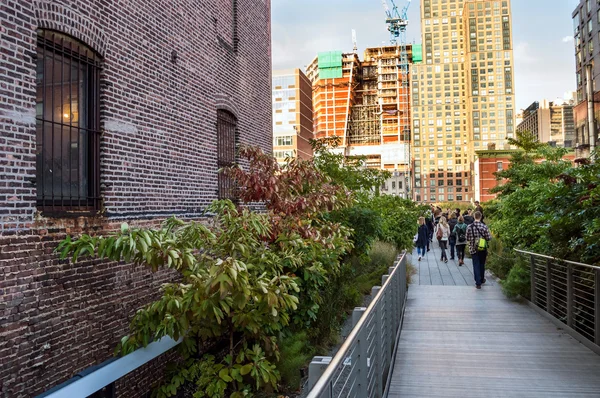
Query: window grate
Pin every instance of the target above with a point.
(67, 124)
(226, 153)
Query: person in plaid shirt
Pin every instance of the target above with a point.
(475, 232)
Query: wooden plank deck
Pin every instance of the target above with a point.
(458, 341)
(433, 271)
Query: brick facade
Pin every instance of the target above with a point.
(166, 69)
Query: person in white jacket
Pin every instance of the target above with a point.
(443, 234)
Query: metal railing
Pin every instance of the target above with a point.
(569, 291)
(363, 365)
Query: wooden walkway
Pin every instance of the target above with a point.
(433, 271)
(458, 341)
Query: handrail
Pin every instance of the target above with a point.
(558, 259)
(568, 293)
(356, 335)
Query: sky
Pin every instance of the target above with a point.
(542, 38)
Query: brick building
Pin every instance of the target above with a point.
(111, 111)
(491, 161)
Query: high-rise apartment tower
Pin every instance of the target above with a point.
(462, 93)
(292, 115)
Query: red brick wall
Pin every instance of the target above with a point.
(158, 157)
(487, 179)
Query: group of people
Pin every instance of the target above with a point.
(455, 230)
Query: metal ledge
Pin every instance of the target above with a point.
(113, 371)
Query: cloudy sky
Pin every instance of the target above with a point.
(542, 35)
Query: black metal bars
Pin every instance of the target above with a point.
(68, 119)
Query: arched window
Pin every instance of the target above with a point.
(226, 152)
(68, 134)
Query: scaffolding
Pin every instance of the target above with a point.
(367, 105)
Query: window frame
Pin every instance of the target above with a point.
(227, 144)
(52, 43)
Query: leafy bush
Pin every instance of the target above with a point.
(518, 281)
(399, 219)
(500, 259)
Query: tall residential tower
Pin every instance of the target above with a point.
(292, 115)
(462, 94)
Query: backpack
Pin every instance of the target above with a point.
(461, 234)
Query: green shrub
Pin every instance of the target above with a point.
(296, 352)
(500, 259)
(383, 253)
(518, 281)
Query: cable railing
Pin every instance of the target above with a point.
(567, 290)
(364, 363)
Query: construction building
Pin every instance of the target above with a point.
(292, 115)
(550, 122)
(462, 94)
(366, 103)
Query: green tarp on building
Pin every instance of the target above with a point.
(330, 73)
(417, 53)
(330, 65)
(330, 59)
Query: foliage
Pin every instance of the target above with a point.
(518, 282)
(500, 259)
(545, 205)
(453, 205)
(348, 171)
(549, 206)
(233, 287)
(399, 219)
(296, 352)
(298, 197)
(243, 279)
(381, 256)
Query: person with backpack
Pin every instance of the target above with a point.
(460, 231)
(430, 229)
(478, 236)
(443, 234)
(452, 239)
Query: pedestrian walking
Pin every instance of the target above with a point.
(468, 217)
(452, 239)
(443, 234)
(479, 209)
(478, 236)
(460, 231)
(430, 228)
(457, 211)
(422, 238)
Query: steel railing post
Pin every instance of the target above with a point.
(316, 368)
(393, 293)
(569, 295)
(388, 309)
(362, 365)
(548, 287)
(532, 271)
(377, 354)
